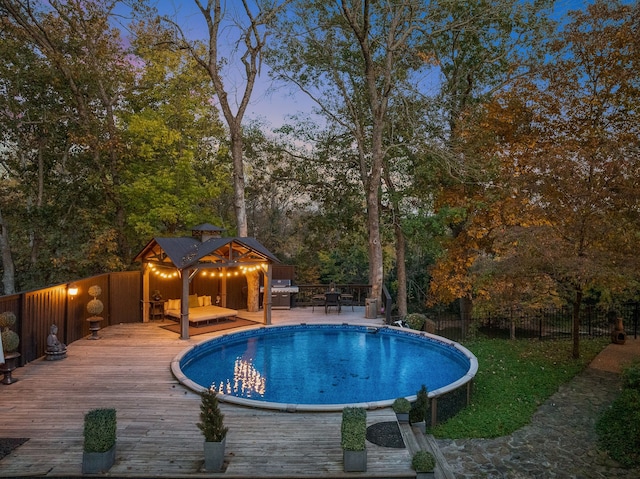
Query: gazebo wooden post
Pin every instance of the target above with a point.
(267, 295)
(184, 305)
(223, 288)
(145, 292)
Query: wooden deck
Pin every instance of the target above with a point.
(157, 432)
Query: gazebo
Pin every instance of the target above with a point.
(207, 250)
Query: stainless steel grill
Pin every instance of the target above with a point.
(281, 292)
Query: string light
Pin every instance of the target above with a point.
(157, 270)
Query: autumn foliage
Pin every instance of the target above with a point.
(557, 212)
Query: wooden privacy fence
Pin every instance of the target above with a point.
(37, 310)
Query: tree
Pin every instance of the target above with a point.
(103, 146)
(352, 58)
(244, 34)
(482, 48)
(173, 174)
(583, 168)
(91, 71)
(567, 143)
(25, 105)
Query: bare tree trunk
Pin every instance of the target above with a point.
(253, 37)
(401, 266)
(466, 308)
(8, 268)
(253, 291)
(375, 248)
(239, 202)
(401, 270)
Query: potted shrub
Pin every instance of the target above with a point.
(401, 406)
(420, 409)
(354, 436)
(215, 433)
(10, 343)
(99, 451)
(424, 464)
(94, 308)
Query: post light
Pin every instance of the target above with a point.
(72, 290)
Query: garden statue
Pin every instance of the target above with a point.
(618, 335)
(55, 349)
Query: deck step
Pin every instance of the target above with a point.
(415, 440)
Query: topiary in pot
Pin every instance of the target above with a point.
(215, 433)
(211, 418)
(423, 462)
(401, 406)
(100, 430)
(95, 306)
(99, 440)
(420, 408)
(353, 439)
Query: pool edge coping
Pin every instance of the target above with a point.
(252, 403)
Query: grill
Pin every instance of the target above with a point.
(281, 292)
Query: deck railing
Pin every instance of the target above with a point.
(308, 291)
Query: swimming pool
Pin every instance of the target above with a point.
(324, 367)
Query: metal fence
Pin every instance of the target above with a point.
(540, 324)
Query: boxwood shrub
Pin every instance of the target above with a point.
(354, 428)
(99, 430)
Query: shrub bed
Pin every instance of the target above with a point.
(617, 426)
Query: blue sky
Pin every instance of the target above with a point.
(269, 103)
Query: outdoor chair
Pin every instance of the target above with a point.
(347, 300)
(317, 300)
(332, 299)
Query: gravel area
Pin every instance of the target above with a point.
(386, 434)
(8, 444)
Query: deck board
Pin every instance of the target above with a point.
(128, 369)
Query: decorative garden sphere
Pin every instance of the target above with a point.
(95, 291)
(95, 307)
(10, 341)
(7, 319)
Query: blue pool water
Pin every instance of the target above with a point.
(324, 364)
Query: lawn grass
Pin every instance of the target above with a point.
(513, 379)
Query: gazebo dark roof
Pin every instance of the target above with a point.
(208, 227)
(189, 252)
